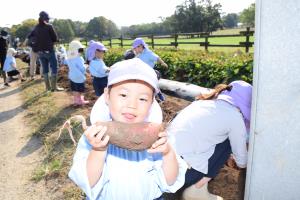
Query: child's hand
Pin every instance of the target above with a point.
(97, 138)
(161, 145)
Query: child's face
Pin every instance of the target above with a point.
(129, 101)
(99, 54)
(138, 49)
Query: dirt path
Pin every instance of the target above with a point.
(20, 153)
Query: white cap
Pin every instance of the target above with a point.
(133, 69)
(11, 51)
(74, 46)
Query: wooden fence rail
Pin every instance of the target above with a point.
(176, 36)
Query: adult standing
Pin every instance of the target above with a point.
(3, 51)
(208, 130)
(44, 38)
(30, 41)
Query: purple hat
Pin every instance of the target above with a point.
(92, 49)
(137, 42)
(98, 46)
(91, 42)
(240, 96)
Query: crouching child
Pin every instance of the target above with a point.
(10, 66)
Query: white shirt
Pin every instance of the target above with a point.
(9, 64)
(200, 126)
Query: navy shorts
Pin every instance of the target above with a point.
(77, 87)
(215, 163)
(13, 73)
(99, 84)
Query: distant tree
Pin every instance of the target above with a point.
(64, 29)
(212, 16)
(146, 29)
(197, 17)
(100, 27)
(247, 16)
(79, 28)
(230, 20)
(23, 29)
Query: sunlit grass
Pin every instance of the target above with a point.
(45, 117)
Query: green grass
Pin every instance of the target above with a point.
(45, 117)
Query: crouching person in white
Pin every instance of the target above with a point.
(106, 171)
(207, 131)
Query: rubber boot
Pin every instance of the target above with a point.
(83, 101)
(47, 83)
(54, 86)
(193, 193)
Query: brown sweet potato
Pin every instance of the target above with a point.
(138, 136)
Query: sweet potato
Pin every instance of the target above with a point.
(138, 136)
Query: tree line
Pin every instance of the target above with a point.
(191, 16)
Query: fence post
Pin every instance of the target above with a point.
(206, 42)
(152, 41)
(247, 44)
(121, 38)
(110, 42)
(176, 38)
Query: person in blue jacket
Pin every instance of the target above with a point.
(145, 54)
(77, 72)
(97, 67)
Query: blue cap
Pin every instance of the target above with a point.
(44, 15)
(4, 33)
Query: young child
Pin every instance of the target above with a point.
(77, 71)
(98, 69)
(106, 171)
(10, 66)
(89, 55)
(145, 54)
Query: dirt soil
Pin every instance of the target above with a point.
(20, 152)
(229, 183)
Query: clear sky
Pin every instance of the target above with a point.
(121, 12)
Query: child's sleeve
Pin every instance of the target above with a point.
(81, 65)
(238, 140)
(161, 180)
(13, 63)
(78, 172)
(154, 56)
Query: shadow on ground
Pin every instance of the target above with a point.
(35, 141)
(8, 93)
(7, 115)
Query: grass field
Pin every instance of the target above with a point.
(220, 40)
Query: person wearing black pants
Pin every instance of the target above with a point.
(3, 52)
